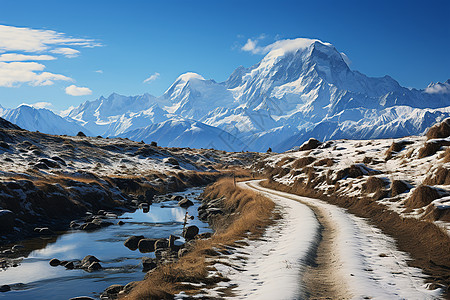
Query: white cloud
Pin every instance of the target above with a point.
(15, 73)
(36, 40)
(99, 71)
(74, 90)
(287, 45)
(152, 77)
(47, 105)
(67, 52)
(250, 46)
(24, 57)
(438, 88)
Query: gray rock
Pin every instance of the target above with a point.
(147, 245)
(54, 262)
(190, 232)
(148, 264)
(90, 226)
(113, 290)
(88, 260)
(94, 266)
(161, 244)
(185, 203)
(133, 241)
(5, 288)
(70, 265)
(120, 223)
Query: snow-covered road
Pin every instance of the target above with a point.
(365, 263)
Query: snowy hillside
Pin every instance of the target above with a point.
(302, 88)
(41, 119)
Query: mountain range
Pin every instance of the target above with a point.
(302, 88)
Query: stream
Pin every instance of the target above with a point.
(34, 278)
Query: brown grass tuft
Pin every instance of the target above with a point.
(399, 187)
(422, 196)
(440, 176)
(441, 130)
(303, 162)
(373, 184)
(324, 162)
(395, 148)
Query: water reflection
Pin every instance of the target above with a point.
(34, 278)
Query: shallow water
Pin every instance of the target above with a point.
(34, 278)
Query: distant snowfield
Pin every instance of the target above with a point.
(272, 267)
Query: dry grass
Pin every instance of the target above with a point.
(248, 212)
(395, 148)
(303, 162)
(373, 184)
(422, 196)
(441, 130)
(440, 176)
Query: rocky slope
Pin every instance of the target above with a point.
(47, 180)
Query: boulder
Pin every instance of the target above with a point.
(190, 232)
(148, 264)
(54, 262)
(112, 290)
(147, 245)
(90, 226)
(161, 244)
(94, 266)
(312, 143)
(7, 218)
(69, 265)
(133, 241)
(185, 203)
(88, 260)
(5, 288)
(120, 223)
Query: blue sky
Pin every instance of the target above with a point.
(99, 47)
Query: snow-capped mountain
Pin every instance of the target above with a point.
(41, 119)
(301, 88)
(178, 132)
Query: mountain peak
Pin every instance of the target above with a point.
(189, 76)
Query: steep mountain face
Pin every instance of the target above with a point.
(302, 88)
(41, 119)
